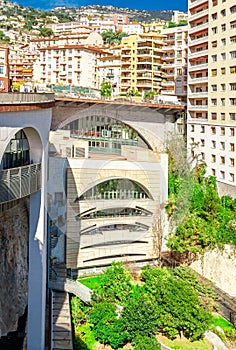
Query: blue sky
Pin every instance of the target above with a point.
(134, 4)
(142, 4)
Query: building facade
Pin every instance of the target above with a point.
(175, 61)
(108, 183)
(212, 88)
(141, 62)
(4, 68)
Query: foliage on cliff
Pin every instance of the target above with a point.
(200, 220)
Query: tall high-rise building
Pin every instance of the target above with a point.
(141, 62)
(175, 61)
(212, 88)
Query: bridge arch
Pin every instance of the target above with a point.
(152, 139)
(128, 184)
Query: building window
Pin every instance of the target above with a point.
(223, 56)
(222, 131)
(1, 69)
(222, 160)
(233, 39)
(232, 116)
(214, 30)
(223, 42)
(232, 86)
(213, 130)
(214, 102)
(232, 54)
(202, 128)
(231, 177)
(222, 87)
(214, 43)
(232, 69)
(192, 128)
(214, 87)
(223, 27)
(214, 16)
(214, 72)
(232, 132)
(222, 102)
(232, 101)
(202, 142)
(233, 9)
(223, 12)
(231, 161)
(213, 116)
(203, 155)
(214, 58)
(222, 116)
(213, 158)
(233, 25)
(231, 147)
(222, 175)
(222, 146)
(213, 144)
(213, 172)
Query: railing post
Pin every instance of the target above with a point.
(20, 184)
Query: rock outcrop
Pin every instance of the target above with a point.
(14, 238)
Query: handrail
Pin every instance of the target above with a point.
(17, 98)
(16, 183)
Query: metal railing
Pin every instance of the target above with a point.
(20, 97)
(16, 183)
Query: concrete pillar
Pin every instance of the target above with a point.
(37, 277)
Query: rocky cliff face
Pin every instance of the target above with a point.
(220, 268)
(14, 233)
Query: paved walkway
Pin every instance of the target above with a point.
(215, 340)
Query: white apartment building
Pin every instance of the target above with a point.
(212, 88)
(179, 16)
(109, 70)
(133, 28)
(70, 65)
(175, 61)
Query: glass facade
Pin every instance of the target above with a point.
(104, 134)
(115, 189)
(116, 212)
(137, 227)
(17, 152)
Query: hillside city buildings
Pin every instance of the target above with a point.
(83, 181)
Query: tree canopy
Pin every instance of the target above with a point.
(111, 37)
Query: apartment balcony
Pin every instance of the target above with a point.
(168, 92)
(16, 183)
(168, 65)
(198, 28)
(198, 41)
(198, 15)
(195, 3)
(170, 48)
(197, 54)
(197, 67)
(167, 83)
(191, 107)
(193, 81)
(200, 94)
(125, 63)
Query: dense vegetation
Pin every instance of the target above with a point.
(200, 220)
(170, 302)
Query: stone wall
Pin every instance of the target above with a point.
(220, 268)
(14, 233)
